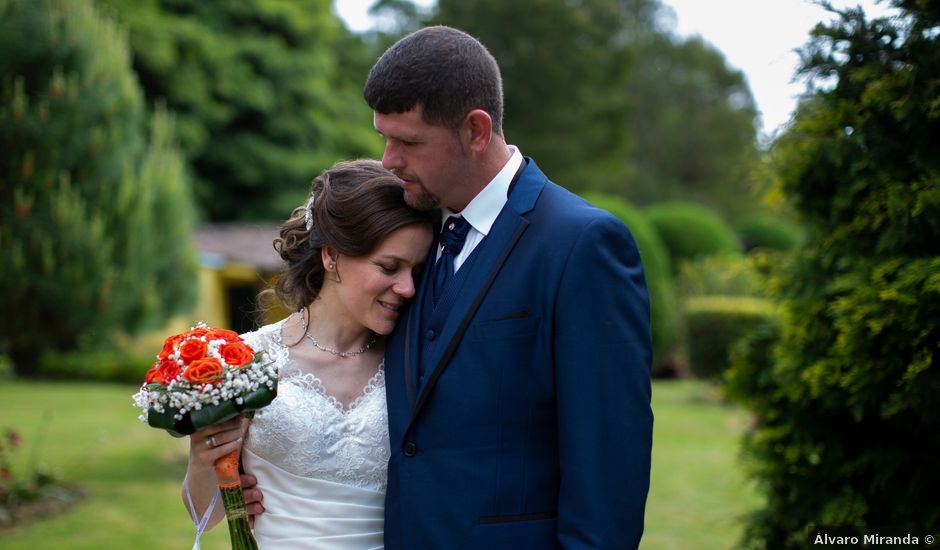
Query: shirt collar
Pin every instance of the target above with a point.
(482, 211)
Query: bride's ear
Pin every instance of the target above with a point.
(328, 257)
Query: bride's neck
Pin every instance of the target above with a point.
(334, 329)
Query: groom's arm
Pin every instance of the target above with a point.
(602, 358)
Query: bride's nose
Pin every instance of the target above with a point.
(404, 285)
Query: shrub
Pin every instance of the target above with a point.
(715, 323)
(750, 359)
(658, 277)
(845, 411)
(766, 231)
(690, 231)
(99, 366)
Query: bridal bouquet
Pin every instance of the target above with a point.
(202, 377)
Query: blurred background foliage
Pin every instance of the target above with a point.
(254, 98)
(266, 94)
(798, 277)
(607, 98)
(95, 208)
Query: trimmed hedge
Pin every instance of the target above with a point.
(690, 231)
(767, 231)
(658, 276)
(715, 323)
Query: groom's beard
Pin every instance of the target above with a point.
(420, 198)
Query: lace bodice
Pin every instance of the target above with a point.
(308, 433)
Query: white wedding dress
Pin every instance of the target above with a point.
(322, 468)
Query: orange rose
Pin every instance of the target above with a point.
(153, 375)
(163, 372)
(223, 334)
(192, 349)
(203, 370)
(237, 354)
(169, 346)
(197, 332)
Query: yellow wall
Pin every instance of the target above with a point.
(211, 305)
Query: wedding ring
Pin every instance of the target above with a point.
(211, 441)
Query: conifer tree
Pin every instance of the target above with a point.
(847, 402)
(95, 215)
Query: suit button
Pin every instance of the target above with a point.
(430, 335)
(410, 449)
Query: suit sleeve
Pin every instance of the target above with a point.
(602, 355)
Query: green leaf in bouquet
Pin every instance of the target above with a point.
(259, 398)
(213, 414)
(166, 421)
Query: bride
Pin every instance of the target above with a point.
(320, 450)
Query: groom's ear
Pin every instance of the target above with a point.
(476, 130)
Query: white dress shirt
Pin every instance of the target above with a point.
(482, 211)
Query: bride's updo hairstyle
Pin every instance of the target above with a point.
(356, 204)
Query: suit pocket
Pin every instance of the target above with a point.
(522, 532)
(490, 520)
(512, 327)
(518, 314)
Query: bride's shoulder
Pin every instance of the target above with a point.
(267, 337)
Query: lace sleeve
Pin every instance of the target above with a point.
(268, 340)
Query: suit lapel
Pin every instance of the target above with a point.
(495, 248)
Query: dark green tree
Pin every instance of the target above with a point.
(693, 122)
(563, 66)
(95, 214)
(266, 94)
(848, 403)
(607, 99)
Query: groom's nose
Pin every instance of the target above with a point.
(391, 157)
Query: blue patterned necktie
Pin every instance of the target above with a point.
(452, 238)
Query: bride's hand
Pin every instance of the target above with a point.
(215, 441)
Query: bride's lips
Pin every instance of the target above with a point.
(391, 308)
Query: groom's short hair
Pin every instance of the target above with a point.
(445, 71)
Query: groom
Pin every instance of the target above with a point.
(518, 381)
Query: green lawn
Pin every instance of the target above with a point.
(89, 433)
(698, 494)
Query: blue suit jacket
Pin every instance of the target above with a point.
(533, 428)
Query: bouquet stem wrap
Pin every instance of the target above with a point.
(226, 470)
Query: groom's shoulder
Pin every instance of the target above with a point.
(559, 208)
(565, 207)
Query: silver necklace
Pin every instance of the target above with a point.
(333, 351)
